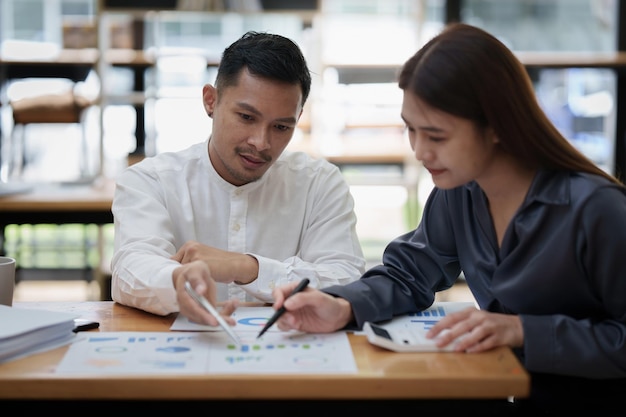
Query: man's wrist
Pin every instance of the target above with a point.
(249, 268)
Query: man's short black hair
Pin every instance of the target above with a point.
(265, 55)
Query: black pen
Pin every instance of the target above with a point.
(301, 285)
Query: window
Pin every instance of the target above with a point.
(42, 20)
(541, 25)
(579, 101)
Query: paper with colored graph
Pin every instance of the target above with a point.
(427, 318)
(199, 349)
(145, 353)
(246, 319)
(424, 320)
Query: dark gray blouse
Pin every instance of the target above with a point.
(561, 268)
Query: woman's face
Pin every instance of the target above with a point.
(454, 150)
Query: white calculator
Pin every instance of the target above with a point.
(402, 339)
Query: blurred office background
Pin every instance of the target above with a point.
(354, 48)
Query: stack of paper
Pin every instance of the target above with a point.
(27, 331)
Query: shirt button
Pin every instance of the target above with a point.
(236, 227)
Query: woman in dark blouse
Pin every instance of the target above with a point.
(538, 231)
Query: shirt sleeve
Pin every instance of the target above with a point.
(142, 276)
(415, 266)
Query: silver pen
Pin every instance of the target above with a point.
(208, 307)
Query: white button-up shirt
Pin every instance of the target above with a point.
(298, 221)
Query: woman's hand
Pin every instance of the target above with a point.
(478, 330)
(311, 310)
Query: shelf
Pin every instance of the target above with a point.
(132, 98)
(350, 100)
(573, 59)
(129, 58)
(377, 149)
(529, 59)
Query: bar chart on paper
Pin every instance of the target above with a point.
(408, 333)
(427, 318)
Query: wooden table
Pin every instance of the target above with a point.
(382, 375)
(61, 204)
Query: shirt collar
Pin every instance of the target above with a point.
(548, 187)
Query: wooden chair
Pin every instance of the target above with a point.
(56, 108)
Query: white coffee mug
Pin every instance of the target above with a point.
(7, 280)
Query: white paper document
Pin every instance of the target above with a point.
(426, 319)
(246, 319)
(24, 332)
(192, 353)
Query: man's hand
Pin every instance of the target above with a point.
(225, 266)
(198, 274)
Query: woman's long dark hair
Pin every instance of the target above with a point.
(467, 72)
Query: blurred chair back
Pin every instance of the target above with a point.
(66, 107)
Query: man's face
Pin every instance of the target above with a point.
(253, 123)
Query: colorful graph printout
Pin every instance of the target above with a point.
(247, 319)
(146, 353)
(282, 352)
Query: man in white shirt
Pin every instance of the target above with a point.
(235, 211)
